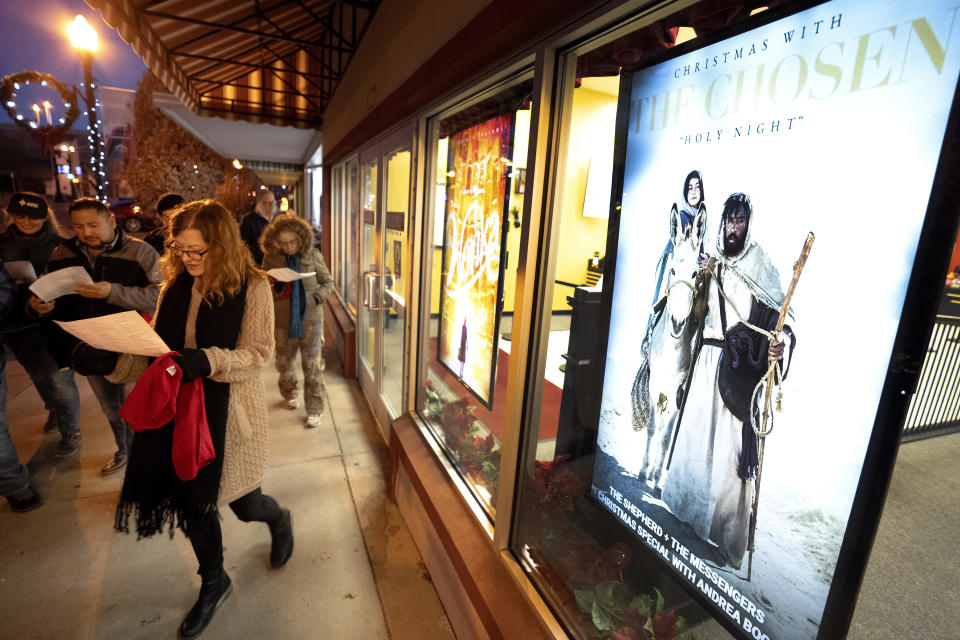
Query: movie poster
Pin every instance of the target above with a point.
(828, 121)
(478, 162)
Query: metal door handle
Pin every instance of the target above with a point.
(370, 290)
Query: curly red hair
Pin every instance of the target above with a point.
(228, 263)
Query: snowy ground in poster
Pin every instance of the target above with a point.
(792, 532)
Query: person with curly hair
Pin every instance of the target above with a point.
(215, 311)
(288, 242)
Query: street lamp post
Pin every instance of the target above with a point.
(83, 37)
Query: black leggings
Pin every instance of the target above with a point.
(207, 539)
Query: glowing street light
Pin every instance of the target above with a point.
(82, 35)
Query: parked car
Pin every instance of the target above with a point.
(131, 216)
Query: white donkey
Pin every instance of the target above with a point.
(671, 343)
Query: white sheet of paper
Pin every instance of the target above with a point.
(21, 270)
(125, 332)
(59, 283)
(284, 274)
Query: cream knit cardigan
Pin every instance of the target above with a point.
(245, 449)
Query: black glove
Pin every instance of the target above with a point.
(193, 363)
(89, 361)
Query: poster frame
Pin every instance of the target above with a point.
(498, 306)
(938, 232)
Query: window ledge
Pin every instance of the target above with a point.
(480, 596)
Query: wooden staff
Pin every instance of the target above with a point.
(771, 374)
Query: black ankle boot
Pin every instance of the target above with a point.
(281, 540)
(212, 595)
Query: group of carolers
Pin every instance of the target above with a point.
(191, 427)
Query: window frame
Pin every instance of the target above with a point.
(512, 73)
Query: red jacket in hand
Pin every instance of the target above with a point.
(159, 397)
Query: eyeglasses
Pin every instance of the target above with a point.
(180, 253)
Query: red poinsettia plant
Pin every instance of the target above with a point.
(593, 572)
(479, 457)
(554, 484)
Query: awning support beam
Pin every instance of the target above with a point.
(284, 81)
(306, 96)
(252, 65)
(250, 32)
(369, 5)
(313, 122)
(279, 57)
(292, 69)
(214, 32)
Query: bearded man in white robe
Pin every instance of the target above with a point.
(710, 482)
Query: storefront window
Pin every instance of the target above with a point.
(352, 226)
(338, 220)
(598, 578)
(396, 267)
(316, 194)
(368, 259)
(478, 173)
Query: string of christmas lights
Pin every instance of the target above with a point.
(95, 140)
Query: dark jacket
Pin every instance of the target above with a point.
(15, 246)
(128, 264)
(7, 295)
(251, 228)
(157, 239)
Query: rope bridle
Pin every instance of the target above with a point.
(771, 368)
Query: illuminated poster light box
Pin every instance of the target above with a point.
(831, 122)
(477, 192)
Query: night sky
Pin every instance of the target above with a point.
(33, 37)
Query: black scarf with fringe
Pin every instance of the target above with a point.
(152, 492)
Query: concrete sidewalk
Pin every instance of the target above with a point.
(355, 572)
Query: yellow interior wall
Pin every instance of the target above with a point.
(521, 139)
(591, 136)
(435, 281)
(398, 199)
(437, 265)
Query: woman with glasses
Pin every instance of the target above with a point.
(216, 311)
(288, 242)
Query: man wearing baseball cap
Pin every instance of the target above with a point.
(29, 242)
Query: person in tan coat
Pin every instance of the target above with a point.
(288, 242)
(216, 312)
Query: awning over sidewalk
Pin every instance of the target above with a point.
(274, 61)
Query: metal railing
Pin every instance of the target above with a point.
(935, 407)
